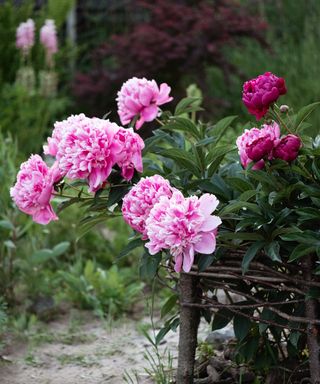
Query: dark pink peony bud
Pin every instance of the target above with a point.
(287, 148)
(259, 93)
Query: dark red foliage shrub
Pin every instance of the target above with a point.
(178, 38)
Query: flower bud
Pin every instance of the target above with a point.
(284, 108)
(287, 148)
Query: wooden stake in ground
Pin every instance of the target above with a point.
(312, 312)
(189, 323)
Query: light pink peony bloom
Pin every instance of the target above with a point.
(130, 155)
(184, 226)
(48, 38)
(25, 36)
(138, 203)
(141, 97)
(256, 144)
(60, 129)
(86, 149)
(287, 148)
(34, 190)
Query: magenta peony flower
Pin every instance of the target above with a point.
(287, 148)
(86, 149)
(259, 93)
(184, 226)
(138, 203)
(48, 38)
(256, 144)
(34, 190)
(130, 155)
(141, 97)
(25, 36)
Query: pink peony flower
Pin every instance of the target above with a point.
(259, 93)
(34, 190)
(138, 203)
(184, 226)
(60, 129)
(48, 38)
(287, 148)
(256, 144)
(86, 149)
(25, 36)
(141, 97)
(129, 157)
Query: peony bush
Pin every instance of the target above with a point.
(206, 196)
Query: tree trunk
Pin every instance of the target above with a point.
(313, 329)
(188, 331)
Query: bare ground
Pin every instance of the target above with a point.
(79, 349)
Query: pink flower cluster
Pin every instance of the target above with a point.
(170, 221)
(34, 190)
(138, 203)
(25, 36)
(259, 93)
(141, 98)
(260, 144)
(84, 148)
(88, 148)
(48, 38)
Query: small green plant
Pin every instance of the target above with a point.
(108, 292)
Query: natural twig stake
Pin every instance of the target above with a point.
(189, 322)
(313, 329)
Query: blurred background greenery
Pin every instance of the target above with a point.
(95, 40)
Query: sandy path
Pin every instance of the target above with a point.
(92, 352)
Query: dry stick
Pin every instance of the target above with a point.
(275, 310)
(312, 338)
(189, 322)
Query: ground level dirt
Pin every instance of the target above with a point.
(79, 349)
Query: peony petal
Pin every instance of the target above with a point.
(44, 215)
(150, 113)
(211, 223)
(188, 257)
(208, 203)
(178, 263)
(207, 244)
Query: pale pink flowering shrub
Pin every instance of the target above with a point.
(48, 38)
(34, 190)
(256, 144)
(138, 203)
(87, 149)
(25, 36)
(259, 93)
(141, 97)
(183, 226)
(130, 155)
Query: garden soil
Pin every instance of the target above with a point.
(79, 349)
